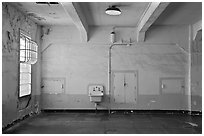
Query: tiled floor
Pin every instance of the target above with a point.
(104, 123)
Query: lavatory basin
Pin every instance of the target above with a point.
(96, 98)
(95, 93)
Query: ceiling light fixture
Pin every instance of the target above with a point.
(113, 11)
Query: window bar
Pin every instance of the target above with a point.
(23, 61)
(29, 51)
(25, 49)
(25, 84)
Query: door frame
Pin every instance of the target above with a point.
(123, 71)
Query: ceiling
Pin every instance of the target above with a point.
(180, 13)
(131, 13)
(175, 14)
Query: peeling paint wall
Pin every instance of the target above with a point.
(12, 20)
(162, 55)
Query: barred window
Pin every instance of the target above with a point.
(28, 56)
(28, 50)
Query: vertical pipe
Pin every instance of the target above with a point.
(95, 107)
(109, 72)
(189, 67)
(109, 76)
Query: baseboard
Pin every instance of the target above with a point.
(196, 112)
(122, 111)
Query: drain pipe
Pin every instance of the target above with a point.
(109, 69)
(96, 107)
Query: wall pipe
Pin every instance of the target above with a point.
(109, 69)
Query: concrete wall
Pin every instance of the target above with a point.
(196, 72)
(164, 54)
(12, 20)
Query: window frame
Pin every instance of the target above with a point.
(25, 83)
(21, 32)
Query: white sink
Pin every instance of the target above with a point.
(96, 98)
(95, 93)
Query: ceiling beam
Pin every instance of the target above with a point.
(196, 27)
(150, 15)
(74, 11)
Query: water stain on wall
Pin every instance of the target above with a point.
(9, 41)
(13, 21)
(35, 16)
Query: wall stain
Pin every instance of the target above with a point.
(46, 31)
(35, 16)
(9, 41)
(13, 20)
(6, 9)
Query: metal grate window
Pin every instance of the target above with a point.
(28, 50)
(25, 79)
(28, 56)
